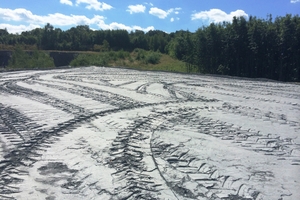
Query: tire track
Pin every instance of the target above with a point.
(200, 179)
(258, 114)
(14, 89)
(147, 160)
(97, 95)
(235, 94)
(15, 128)
(246, 138)
(27, 153)
(127, 158)
(195, 179)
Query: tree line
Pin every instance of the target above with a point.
(253, 47)
(256, 48)
(82, 38)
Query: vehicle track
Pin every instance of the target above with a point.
(161, 149)
(26, 153)
(15, 127)
(96, 94)
(195, 178)
(14, 89)
(235, 93)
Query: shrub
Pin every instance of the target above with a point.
(122, 54)
(19, 59)
(41, 60)
(223, 69)
(153, 58)
(35, 60)
(130, 59)
(97, 47)
(88, 60)
(80, 60)
(111, 54)
(140, 54)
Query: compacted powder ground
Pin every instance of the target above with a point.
(110, 133)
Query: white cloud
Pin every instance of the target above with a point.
(115, 25)
(151, 4)
(14, 15)
(23, 15)
(136, 9)
(18, 28)
(217, 15)
(57, 19)
(177, 11)
(149, 28)
(295, 1)
(67, 2)
(173, 19)
(160, 13)
(94, 4)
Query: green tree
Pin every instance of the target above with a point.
(48, 38)
(106, 46)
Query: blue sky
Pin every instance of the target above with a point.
(166, 15)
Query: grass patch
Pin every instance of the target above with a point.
(149, 60)
(137, 59)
